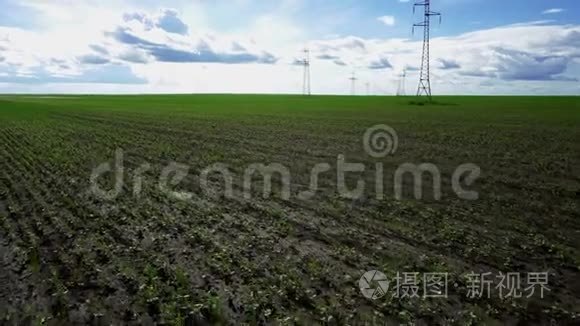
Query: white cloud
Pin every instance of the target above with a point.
(146, 38)
(176, 58)
(552, 11)
(387, 20)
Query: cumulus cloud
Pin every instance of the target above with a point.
(160, 48)
(133, 56)
(99, 49)
(387, 20)
(106, 74)
(382, 63)
(237, 47)
(148, 40)
(338, 44)
(93, 59)
(143, 18)
(514, 53)
(57, 66)
(171, 23)
(448, 64)
(526, 52)
(167, 20)
(510, 64)
(327, 57)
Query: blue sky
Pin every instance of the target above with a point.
(240, 46)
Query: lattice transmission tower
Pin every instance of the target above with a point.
(306, 90)
(424, 76)
(401, 85)
(353, 80)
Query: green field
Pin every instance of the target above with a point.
(69, 256)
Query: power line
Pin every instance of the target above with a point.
(424, 76)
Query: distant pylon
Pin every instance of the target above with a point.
(306, 90)
(353, 80)
(368, 86)
(424, 76)
(401, 87)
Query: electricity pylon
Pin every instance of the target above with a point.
(353, 80)
(401, 86)
(424, 76)
(306, 90)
